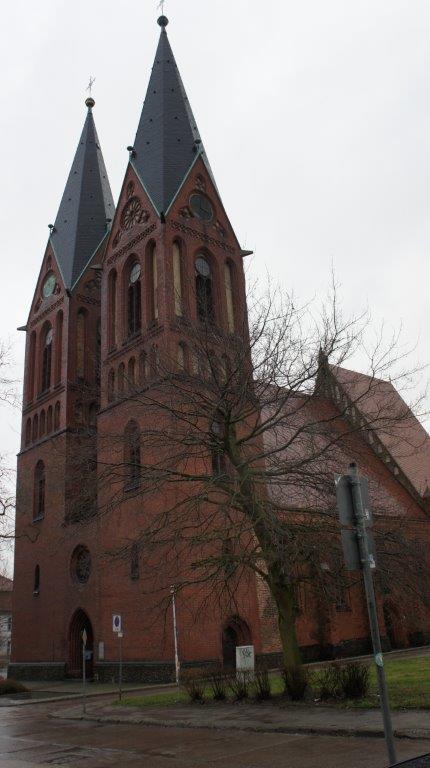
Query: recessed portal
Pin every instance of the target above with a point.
(236, 632)
(80, 621)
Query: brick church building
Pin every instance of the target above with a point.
(117, 288)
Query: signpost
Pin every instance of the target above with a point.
(359, 551)
(175, 635)
(117, 630)
(84, 658)
(120, 636)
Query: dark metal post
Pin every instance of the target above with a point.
(367, 563)
(84, 653)
(120, 636)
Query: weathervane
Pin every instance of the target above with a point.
(90, 86)
(161, 5)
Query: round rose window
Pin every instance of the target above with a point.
(81, 565)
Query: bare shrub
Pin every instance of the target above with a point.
(263, 691)
(239, 685)
(194, 682)
(328, 682)
(355, 679)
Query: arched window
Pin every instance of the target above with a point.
(177, 279)
(132, 456)
(152, 282)
(217, 449)
(111, 386)
(79, 412)
(28, 432)
(46, 358)
(35, 427)
(112, 281)
(98, 351)
(131, 374)
(134, 563)
(57, 416)
(31, 366)
(134, 311)
(143, 368)
(58, 346)
(204, 290)
(42, 425)
(182, 356)
(121, 377)
(39, 491)
(228, 278)
(154, 362)
(92, 414)
(49, 420)
(81, 332)
(36, 583)
(225, 369)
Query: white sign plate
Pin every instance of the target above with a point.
(116, 623)
(245, 658)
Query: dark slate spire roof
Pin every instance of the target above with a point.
(167, 142)
(87, 202)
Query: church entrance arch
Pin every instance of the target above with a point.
(394, 626)
(235, 633)
(79, 622)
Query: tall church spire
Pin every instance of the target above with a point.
(167, 142)
(86, 205)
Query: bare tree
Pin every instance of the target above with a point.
(7, 500)
(240, 438)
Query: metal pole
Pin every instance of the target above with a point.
(120, 636)
(371, 606)
(84, 645)
(175, 633)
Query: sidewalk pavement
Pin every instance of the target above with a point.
(260, 717)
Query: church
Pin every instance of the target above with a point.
(119, 287)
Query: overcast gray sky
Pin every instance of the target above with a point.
(315, 117)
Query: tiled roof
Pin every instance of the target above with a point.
(399, 431)
(167, 142)
(87, 202)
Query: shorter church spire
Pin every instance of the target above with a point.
(85, 207)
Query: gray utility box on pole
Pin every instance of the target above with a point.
(356, 519)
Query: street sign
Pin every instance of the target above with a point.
(347, 517)
(116, 623)
(344, 500)
(355, 516)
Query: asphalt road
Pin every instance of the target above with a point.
(30, 737)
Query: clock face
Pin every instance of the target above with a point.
(202, 267)
(201, 207)
(135, 273)
(48, 285)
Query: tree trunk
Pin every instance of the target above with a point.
(283, 595)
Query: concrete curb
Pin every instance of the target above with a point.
(77, 696)
(150, 722)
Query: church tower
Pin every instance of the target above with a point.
(60, 403)
(172, 262)
(117, 293)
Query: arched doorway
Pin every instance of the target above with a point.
(79, 622)
(394, 626)
(235, 633)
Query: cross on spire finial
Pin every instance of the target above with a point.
(90, 86)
